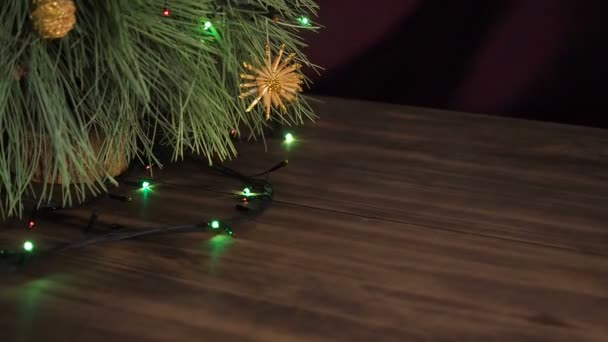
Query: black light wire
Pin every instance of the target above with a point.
(263, 195)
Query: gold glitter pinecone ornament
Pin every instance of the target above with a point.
(54, 19)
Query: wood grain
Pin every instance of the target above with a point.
(390, 223)
(520, 180)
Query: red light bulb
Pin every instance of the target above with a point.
(147, 167)
(31, 224)
(167, 12)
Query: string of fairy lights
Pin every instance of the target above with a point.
(254, 198)
(207, 25)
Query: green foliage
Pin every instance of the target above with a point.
(130, 74)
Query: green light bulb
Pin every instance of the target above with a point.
(215, 224)
(28, 246)
(145, 185)
(304, 20)
(289, 138)
(207, 25)
(246, 192)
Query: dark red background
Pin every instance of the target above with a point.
(536, 59)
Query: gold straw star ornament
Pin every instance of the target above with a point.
(273, 83)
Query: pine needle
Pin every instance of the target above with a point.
(134, 77)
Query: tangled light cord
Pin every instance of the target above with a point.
(256, 197)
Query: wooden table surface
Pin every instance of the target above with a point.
(390, 223)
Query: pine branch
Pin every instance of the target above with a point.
(134, 78)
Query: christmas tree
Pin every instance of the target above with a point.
(87, 87)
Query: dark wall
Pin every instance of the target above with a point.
(537, 59)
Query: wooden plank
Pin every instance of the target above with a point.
(527, 181)
(390, 223)
(305, 274)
